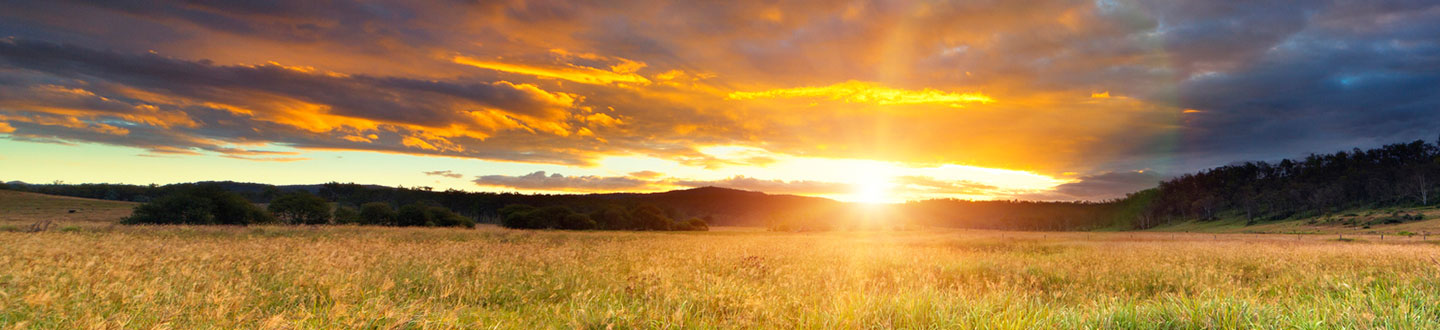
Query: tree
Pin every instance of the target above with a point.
(377, 214)
(577, 221)
(649, 217)
(174, 209)
(443, 217)
(412, 215)
(199, 204)
(611, 217)
(346, 215)
(516, 216)
(301, 208)
(694, 224)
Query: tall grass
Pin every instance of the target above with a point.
(350, 277)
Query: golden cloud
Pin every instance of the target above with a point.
(622, 73)
(868, 93)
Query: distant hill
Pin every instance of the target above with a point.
(1319, 186)
(23, 208)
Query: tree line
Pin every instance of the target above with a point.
(1403, 174)
(211, 204)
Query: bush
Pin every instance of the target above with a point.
(443, 217)
(649, 217)
(612, 217)
(516, 216)
(424, 214)
(377, 214)
(411, 215)
(520, 216)
(694, 224)
(199, 205)
(577, 221)
(301, 208)
(346, 215)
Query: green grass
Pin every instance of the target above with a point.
(360, 277)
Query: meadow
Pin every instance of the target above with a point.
(367, 277)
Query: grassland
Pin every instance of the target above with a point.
(105, 276)
(353, 277)
(1366, 222)
(19, 209)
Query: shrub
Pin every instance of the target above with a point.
(649, 217)
(424, 214)
(694, 224)
(443, 217)
(577, 221)
(377, 214)
(411, 215)
(520, 216)
(612, 217)
(199, 205)
(69, 229)
(301, 208)
(346, 215)
(516, 216)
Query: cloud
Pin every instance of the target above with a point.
(934, 186)
(174, 103)
(1100, 187)
(559, 182)
(1192, 84)
(445, 173)
(646, 174)
(804, 187)
(619, 73)
(868, 93)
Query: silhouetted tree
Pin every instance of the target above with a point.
(199, 204)
(301, 208)
(649, 217)
(346, 215)
(612, 217)
(377, 214)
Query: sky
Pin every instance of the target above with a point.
(870, 101)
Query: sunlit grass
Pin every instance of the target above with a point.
(350, 277)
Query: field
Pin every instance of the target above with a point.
(355, 277)
(20, 209)
(92, 274)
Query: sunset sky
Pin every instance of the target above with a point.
(881, 101)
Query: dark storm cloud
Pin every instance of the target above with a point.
(155, 102)
(1100, 187)
(1265, 80)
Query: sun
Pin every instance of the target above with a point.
(872, 190)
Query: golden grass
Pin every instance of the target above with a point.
(18, 209)
(354, 277)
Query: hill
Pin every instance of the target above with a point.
(24, 208)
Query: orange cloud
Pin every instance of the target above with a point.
(868, 93)
(570, 72)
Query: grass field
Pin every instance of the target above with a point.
(19, 209)
(353, 277)
(96, 275)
